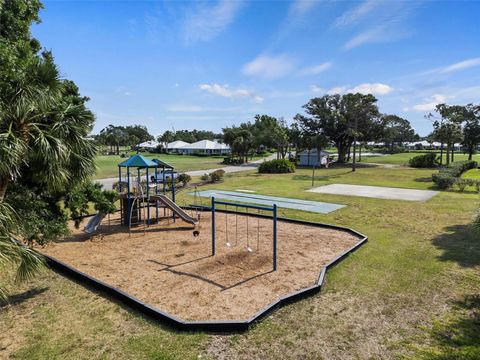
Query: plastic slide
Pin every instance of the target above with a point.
(93, 223)
(175, 208)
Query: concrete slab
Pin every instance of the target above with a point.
(282, 202)
(378, 192)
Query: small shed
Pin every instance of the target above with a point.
(312, 157)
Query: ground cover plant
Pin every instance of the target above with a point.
(449, 175)
(398, 297)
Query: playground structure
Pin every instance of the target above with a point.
(141, 190)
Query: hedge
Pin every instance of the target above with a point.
(449, 175)
(429, 160)
(280, 166)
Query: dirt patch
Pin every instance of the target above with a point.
(169, 268)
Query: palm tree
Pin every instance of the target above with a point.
(43, 129)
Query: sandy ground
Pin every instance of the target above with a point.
(169, 268)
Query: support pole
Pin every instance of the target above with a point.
(120, 191)
(213, 226)
(128, 198)
(148, 197)
(156, 192)
(173, 192)
(274, 237)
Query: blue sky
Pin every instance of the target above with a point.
(211, 64)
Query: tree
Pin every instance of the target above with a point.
(396, 131)
(339, 118)
(44, 125)
(166, 138)
(471, 129)
(447, 128)
(240, 140)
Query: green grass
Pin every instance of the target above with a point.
(472, 174)
(107, 166)
(410, 292)
(402, 158)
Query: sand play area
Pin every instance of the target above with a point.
(170, 269)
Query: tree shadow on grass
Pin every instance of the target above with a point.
(23, 296)
(458, 337)
(461, 244)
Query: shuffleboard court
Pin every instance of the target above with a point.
(377, 192)
(288, 203)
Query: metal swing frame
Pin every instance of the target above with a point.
(272, 209)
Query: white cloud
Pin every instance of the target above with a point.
(429, 104)
(374, 89)
(365, 88)
(317, 89)
(376, 34)
(317, 69)
(466, 64)
(302, 7)
(337, 90)
(269, 67)
(352, 16)
(226, 91)
(207, 21)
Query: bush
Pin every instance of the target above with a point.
(216, 175)
(205, 177)
(449, 175)
(424, 161)
(280, 166)
(233, 161)
(184, 179)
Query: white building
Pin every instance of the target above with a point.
(310, 158)
(175, 146)
(205, 147)
(152, 144)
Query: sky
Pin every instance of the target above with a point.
(172, 65)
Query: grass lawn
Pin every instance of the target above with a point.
(107, 165)
(472, 174)
(413, 291)
(402, 158)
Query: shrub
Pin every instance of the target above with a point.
(280, 166)
(205, 177)
(428, 160)
(184, 179)
(216, 175)
(449, 175)
(233, 161)
(476, 222)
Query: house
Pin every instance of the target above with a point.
(175, 146)
(148, 145)
(205, 147)
(311, 157)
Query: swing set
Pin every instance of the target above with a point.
(233, 242)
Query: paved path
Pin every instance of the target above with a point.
(378, 192)
(108, 182)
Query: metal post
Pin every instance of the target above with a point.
(213, 225)
(156, 191)
(119, 191)
(163, 179)
(274, 237)
(173, 193)
(313, 175)
(128, 197)
(148, 198)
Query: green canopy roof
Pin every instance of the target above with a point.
(162, 163)
(138, 161)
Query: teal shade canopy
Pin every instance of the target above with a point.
(161, 163)
(138, 161)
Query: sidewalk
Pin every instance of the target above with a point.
(108, 182)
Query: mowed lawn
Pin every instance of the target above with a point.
(413, 291)
(402, 158)
(107, 165)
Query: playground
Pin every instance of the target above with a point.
(170, 269)
(224, 262)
